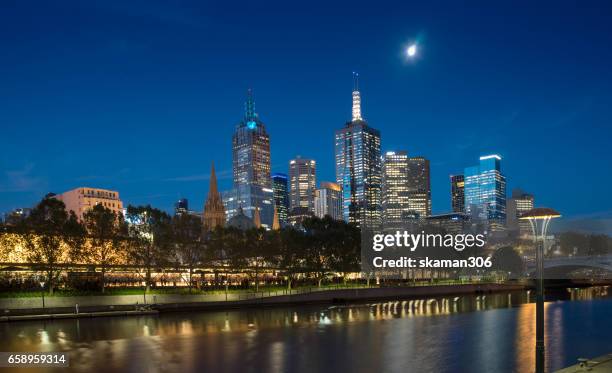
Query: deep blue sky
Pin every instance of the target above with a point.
(142, 97)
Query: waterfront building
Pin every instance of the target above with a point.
(251, 169)
(457, 193)
(302, 181)
(419, 187)
(485, 191)
(395, 189)
(358, 167)
(213, 214)
(328, 200)
(83, 199)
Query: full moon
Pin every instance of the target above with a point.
(411, 51)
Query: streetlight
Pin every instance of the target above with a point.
(42, 292)
(539, 218)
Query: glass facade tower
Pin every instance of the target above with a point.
(302, 179)
(457, 193)
(251, 169)
(281, 196)
(328, 201)
(485, 190)
(395, 203)
(419, 187)
(358, 168)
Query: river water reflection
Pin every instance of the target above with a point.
(487, 333)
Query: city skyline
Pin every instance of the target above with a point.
(153, 148)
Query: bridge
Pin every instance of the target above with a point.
(558, 267)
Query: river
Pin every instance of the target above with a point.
(491, 333)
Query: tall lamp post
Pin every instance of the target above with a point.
(539, 218)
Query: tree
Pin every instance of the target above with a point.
(507, 260)
(257, 250)
(150, 233)
(44, 232)
(317, 245)
(344, 242)
(105, 230)
(290, 252)
(188, 243)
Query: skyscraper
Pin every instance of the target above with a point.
(419, 186)
(281, 196)
(302, 181)
(457, 193)
(328, 200)
(213, 214)
(395, 202)
(251, 169)
(251, 149)
(519, 204)
(485, 190)
(181, 206)
(358, 167)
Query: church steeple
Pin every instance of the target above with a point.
(214, 211)
(256, 218)
(275, 222)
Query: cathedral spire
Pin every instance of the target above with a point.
(256, 218)
(356, 98)
(275, 222)
(212, 188)
(214, 211)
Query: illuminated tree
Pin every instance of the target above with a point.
(44, 231)
(150, 234)
(105, 230)
(188, 243)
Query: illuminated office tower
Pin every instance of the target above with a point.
(181, 206)
(251, 169)
(281, 196)
(457, 193)
(395, 201)
(419, 187)
(251, 149)
(302, 182)
(328, 200)
(485, 190)
(358, 168)
(519, 204)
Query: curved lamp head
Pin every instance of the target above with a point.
(540, 213)
(539, 218)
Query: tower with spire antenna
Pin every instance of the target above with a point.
(356, 98)
(214, 211)
(358, 166)
(251, 168)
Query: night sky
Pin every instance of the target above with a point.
(141, 98)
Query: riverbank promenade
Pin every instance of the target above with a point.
(14, 309)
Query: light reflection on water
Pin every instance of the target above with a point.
(484, 333)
